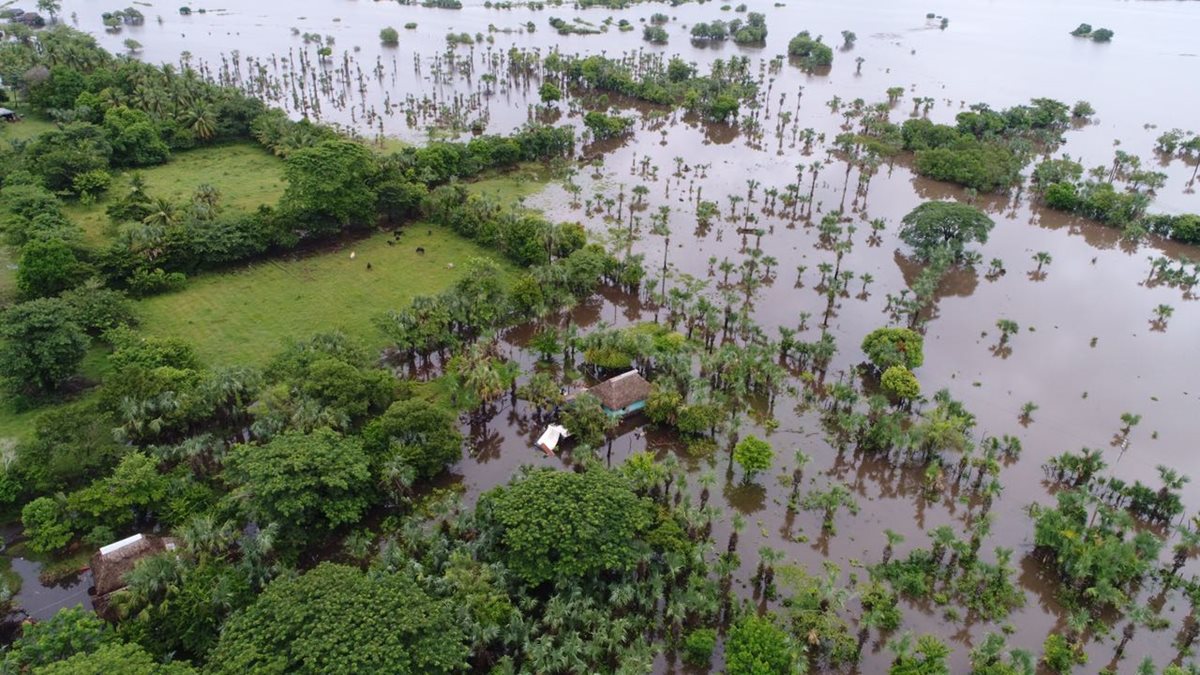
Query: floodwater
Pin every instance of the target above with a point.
(38, 599)
(1087, 350)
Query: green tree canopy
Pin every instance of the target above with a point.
(419, 433)
(42, 345)
(117, 657)
(944, 226)
(756, 646)
(301, 481)
(754, 455)
(560, 524)
(811, 52)
(900, 382)
(887, 347)
(47, 268)
(328, 185)
(70, 631)
(336, 619)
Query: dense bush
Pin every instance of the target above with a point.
(41, 346)
(811, 52)
(887, 347)
(336, 618)
(556, 524)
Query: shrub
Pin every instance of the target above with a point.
(698, 646)
(389, 36)
(753, 455)
(45, 524)
(899, 382)
(655, 34)
(887, 347)
(812, 52)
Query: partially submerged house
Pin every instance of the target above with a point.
(623, 394)
(619, 396)
(111, 563)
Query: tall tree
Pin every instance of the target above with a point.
(42, 345)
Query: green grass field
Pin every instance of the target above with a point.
(245, 175)
(30, 125)
(245, 315)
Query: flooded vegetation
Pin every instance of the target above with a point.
(913, 290)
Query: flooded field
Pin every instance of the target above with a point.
(1089, 347)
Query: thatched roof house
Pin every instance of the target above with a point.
(622, 394)
(111, 563)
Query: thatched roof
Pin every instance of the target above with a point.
(622, 390)
(109, 568)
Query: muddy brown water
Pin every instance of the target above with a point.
(1086, 351)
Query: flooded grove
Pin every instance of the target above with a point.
(1086, 352)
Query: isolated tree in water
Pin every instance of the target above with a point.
(944, 226)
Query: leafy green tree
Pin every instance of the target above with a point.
(605, 126)
(418, 433)
(585, 418)
(59, 90)
(117, 657)
(933, 227)
(47, 268)
(72, 630)
(554, 524)
(811, 52)
(1060, 655)
(69, 443)
(549, 93)
(51, 7)
(754, 455)
(887, 347)
(62, 155)
(698, 646)
(46, 526)
(900, 383)
(655, 34)
(42, 345)
(135, 139)
(303, 482)
(756, 646)
(1102, 35)
(337, 619)
(328, 186)
(389, 36)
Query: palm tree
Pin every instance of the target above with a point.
(1137, 614)
(162, 213)
(893, 538)
(802, 460)
(1161, 314)
(1041, 258)
(829, 502)
(736, 524)
(707, 479)
(200, 117)
(1007, 328)
(943, 537)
